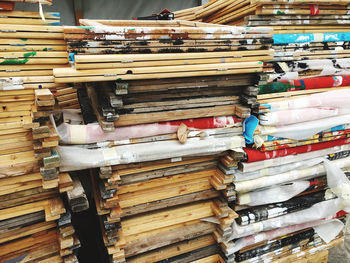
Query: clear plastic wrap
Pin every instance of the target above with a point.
(286, 117)
(78, 158)
(268, 235)
(266, 181)
(336, 98)
(240, 176)
(275, 194)
(304, 130)
(339, 186)
(326, 209)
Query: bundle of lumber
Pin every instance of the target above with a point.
(152, 101)
(180, 83)
(31, 184)
(170, 43)
(31, 45)
(153, 205)
(187, 104)
(311, 16)
(90, 68)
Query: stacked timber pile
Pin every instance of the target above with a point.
(155, 128)
(191, 55)
(30, 182)
(311, 16)
(287, 181)
(30, 48)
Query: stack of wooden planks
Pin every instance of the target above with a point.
(189, 77)
(179, 99)
(153, 211)
(30, 47)
(89, 68)
(30, 181)
(310, 16)
(80, 43)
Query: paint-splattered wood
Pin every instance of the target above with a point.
(144, 31)
(171, 49)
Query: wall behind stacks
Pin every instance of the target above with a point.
(111, 9)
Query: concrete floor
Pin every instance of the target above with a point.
(341, 254)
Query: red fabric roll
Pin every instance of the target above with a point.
(206, 123)
(255, 155)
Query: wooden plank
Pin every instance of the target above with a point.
(26, 231)
(174, 250)
(166, 218)
(168, 236)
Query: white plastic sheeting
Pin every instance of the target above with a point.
(269, 235)
(240, 176)
(286, 117)
(339, 186)
(325, 209)
(78, 158)
(304, 130)
(306, 173)
(274, 194)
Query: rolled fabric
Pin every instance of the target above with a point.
(254, 155)
(264, 166)
(304, 84)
